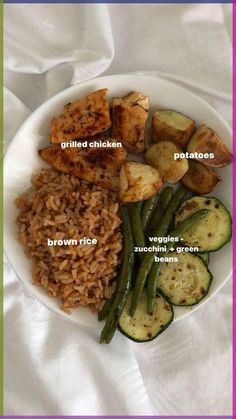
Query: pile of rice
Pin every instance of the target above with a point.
(64, 207)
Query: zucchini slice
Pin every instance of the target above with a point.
(143, 327)
(205, 257)
(212, 232)
(186, 282)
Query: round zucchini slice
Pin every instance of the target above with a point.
(186, 282)
(213, 231)
(143, 327)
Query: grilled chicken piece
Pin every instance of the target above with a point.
(129, 116)
(99, 166)
(82, 118)
(55, 158)
(106, 158)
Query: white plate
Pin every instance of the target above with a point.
(22, 160)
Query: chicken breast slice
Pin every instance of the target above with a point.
(129, 116)
(82, 118)
(99, 166)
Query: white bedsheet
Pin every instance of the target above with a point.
(52, 367)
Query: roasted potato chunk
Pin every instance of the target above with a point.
(206, 140)
(162, 157)
(82, 118)
(168, 125)
(129, 116)
(200, 179)
(138, 181)
(99, 166)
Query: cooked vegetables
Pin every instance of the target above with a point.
(135, 218)
(206, 141)
(138, 181)
(168, 125)
(124, 282)
(211, 233)
(149, 257)
(148, 208)
(129, 116)
(144, 327)
(154, 272)
(103, 313)
(199, 178)
(161, 156)
(205, 257)
(170, 209)
(99, 166)
(165, 197)
(185, 282)
(82, 119)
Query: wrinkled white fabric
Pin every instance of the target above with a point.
(52, 367)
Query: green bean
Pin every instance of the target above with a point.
(187, 195)
(169, 212)
(135, 219)
(148, 258)
(164, 200)
(102, 314)
(148, 209)
(155, 269)
(123, 285)
(139, 239)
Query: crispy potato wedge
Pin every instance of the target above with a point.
(200, 179)
(82, 118)
(161, 156)
(129, 116)
(168, 125)
(138, 181)
(206, 140)
(99, 166)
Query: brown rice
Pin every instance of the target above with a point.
(64, 207)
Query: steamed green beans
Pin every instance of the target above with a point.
(135, 219)
(103, 313)
(147, 212)
(148, 258)
(163, 201)
(123, 285)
